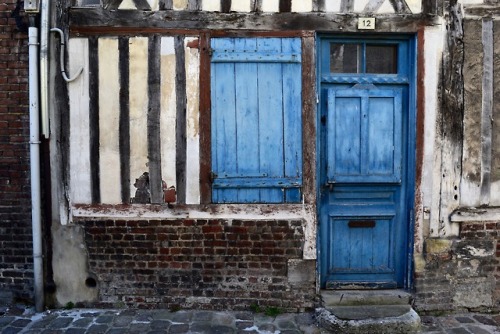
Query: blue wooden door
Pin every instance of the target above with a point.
(365, 144)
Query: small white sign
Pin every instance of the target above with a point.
(366, 23)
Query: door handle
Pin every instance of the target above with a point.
(329, 184)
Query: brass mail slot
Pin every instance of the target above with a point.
(361, 223)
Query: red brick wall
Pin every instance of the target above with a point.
(15, 211)
(202, 264)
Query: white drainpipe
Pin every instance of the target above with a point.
(36, 215)
(44, 65)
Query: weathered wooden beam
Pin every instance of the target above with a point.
(451, 123)
(482, 11)
(154, 111)
(309, 119)
(124, 119)
(94, 120)
(181, 144)
(86, 20)
(205, 120)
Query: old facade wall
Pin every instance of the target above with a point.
(16, 263)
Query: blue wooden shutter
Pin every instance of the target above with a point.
(256, 120)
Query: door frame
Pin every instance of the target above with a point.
(411, 156)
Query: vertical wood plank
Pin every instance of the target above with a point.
(205, 120)
(180, 93)
(79, 155)
(192, 124)
(271, 113)
(110, 114)
(285, 6)
(138, 92)
(194, 5)
(94, 119)
(165, 4)
(292, 117)
(153, 120)
(346, 6)
(168, 111)
(309, 119)
(225, 6)
(247, 118)
(124, 120)
(487, 110)
(318, 5)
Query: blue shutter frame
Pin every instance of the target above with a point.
(256, 120)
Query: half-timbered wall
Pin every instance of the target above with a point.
(135, 142)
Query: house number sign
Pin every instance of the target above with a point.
(366, 23)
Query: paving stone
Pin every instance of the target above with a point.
(465, 320)
(200, 327)
(83, 322)
(477, 330)
(52, 331)
(4, 321)
(182, 316)
(220, 330)
(115, 331)
(305, 319)
(223, 318)
(75, 331)
(129, 312)
(267, 327)
(60, 323)
(20, 323)
(138, 328)
(90, 314)
(11, 330)
(178, 328)
(244, 324)
(97, 329)
(104, 319)
(458, 330)
(158, 332)
(485, 320)
(244, 316)
(285, 324)
(203, 316)
(290, 331)
(160, 324)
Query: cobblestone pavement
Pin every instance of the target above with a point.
(92, 321)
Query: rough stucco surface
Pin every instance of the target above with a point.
(69, 263)
(473, 69)
(495, 168)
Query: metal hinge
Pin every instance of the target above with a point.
(212, 176)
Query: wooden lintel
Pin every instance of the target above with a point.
(88, 21)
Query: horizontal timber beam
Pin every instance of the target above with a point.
(91, 21)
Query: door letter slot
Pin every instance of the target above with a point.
(361, 223)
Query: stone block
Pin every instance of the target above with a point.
(301, 271)
(474, 292)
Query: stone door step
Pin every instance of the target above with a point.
(364, 297)
(408, 322)
(367, 311)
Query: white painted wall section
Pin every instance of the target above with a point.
(386, 8)
(192, 124)
(138, 100)
(332, 6)
(109, 116)
(180, 4)
(431, 165)
(270, 5)
(168, 111)
(301, 6)
(79, 156)
(240, 6)
(359, 5)
(415, 6)
(211, 5)
(127, 5)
